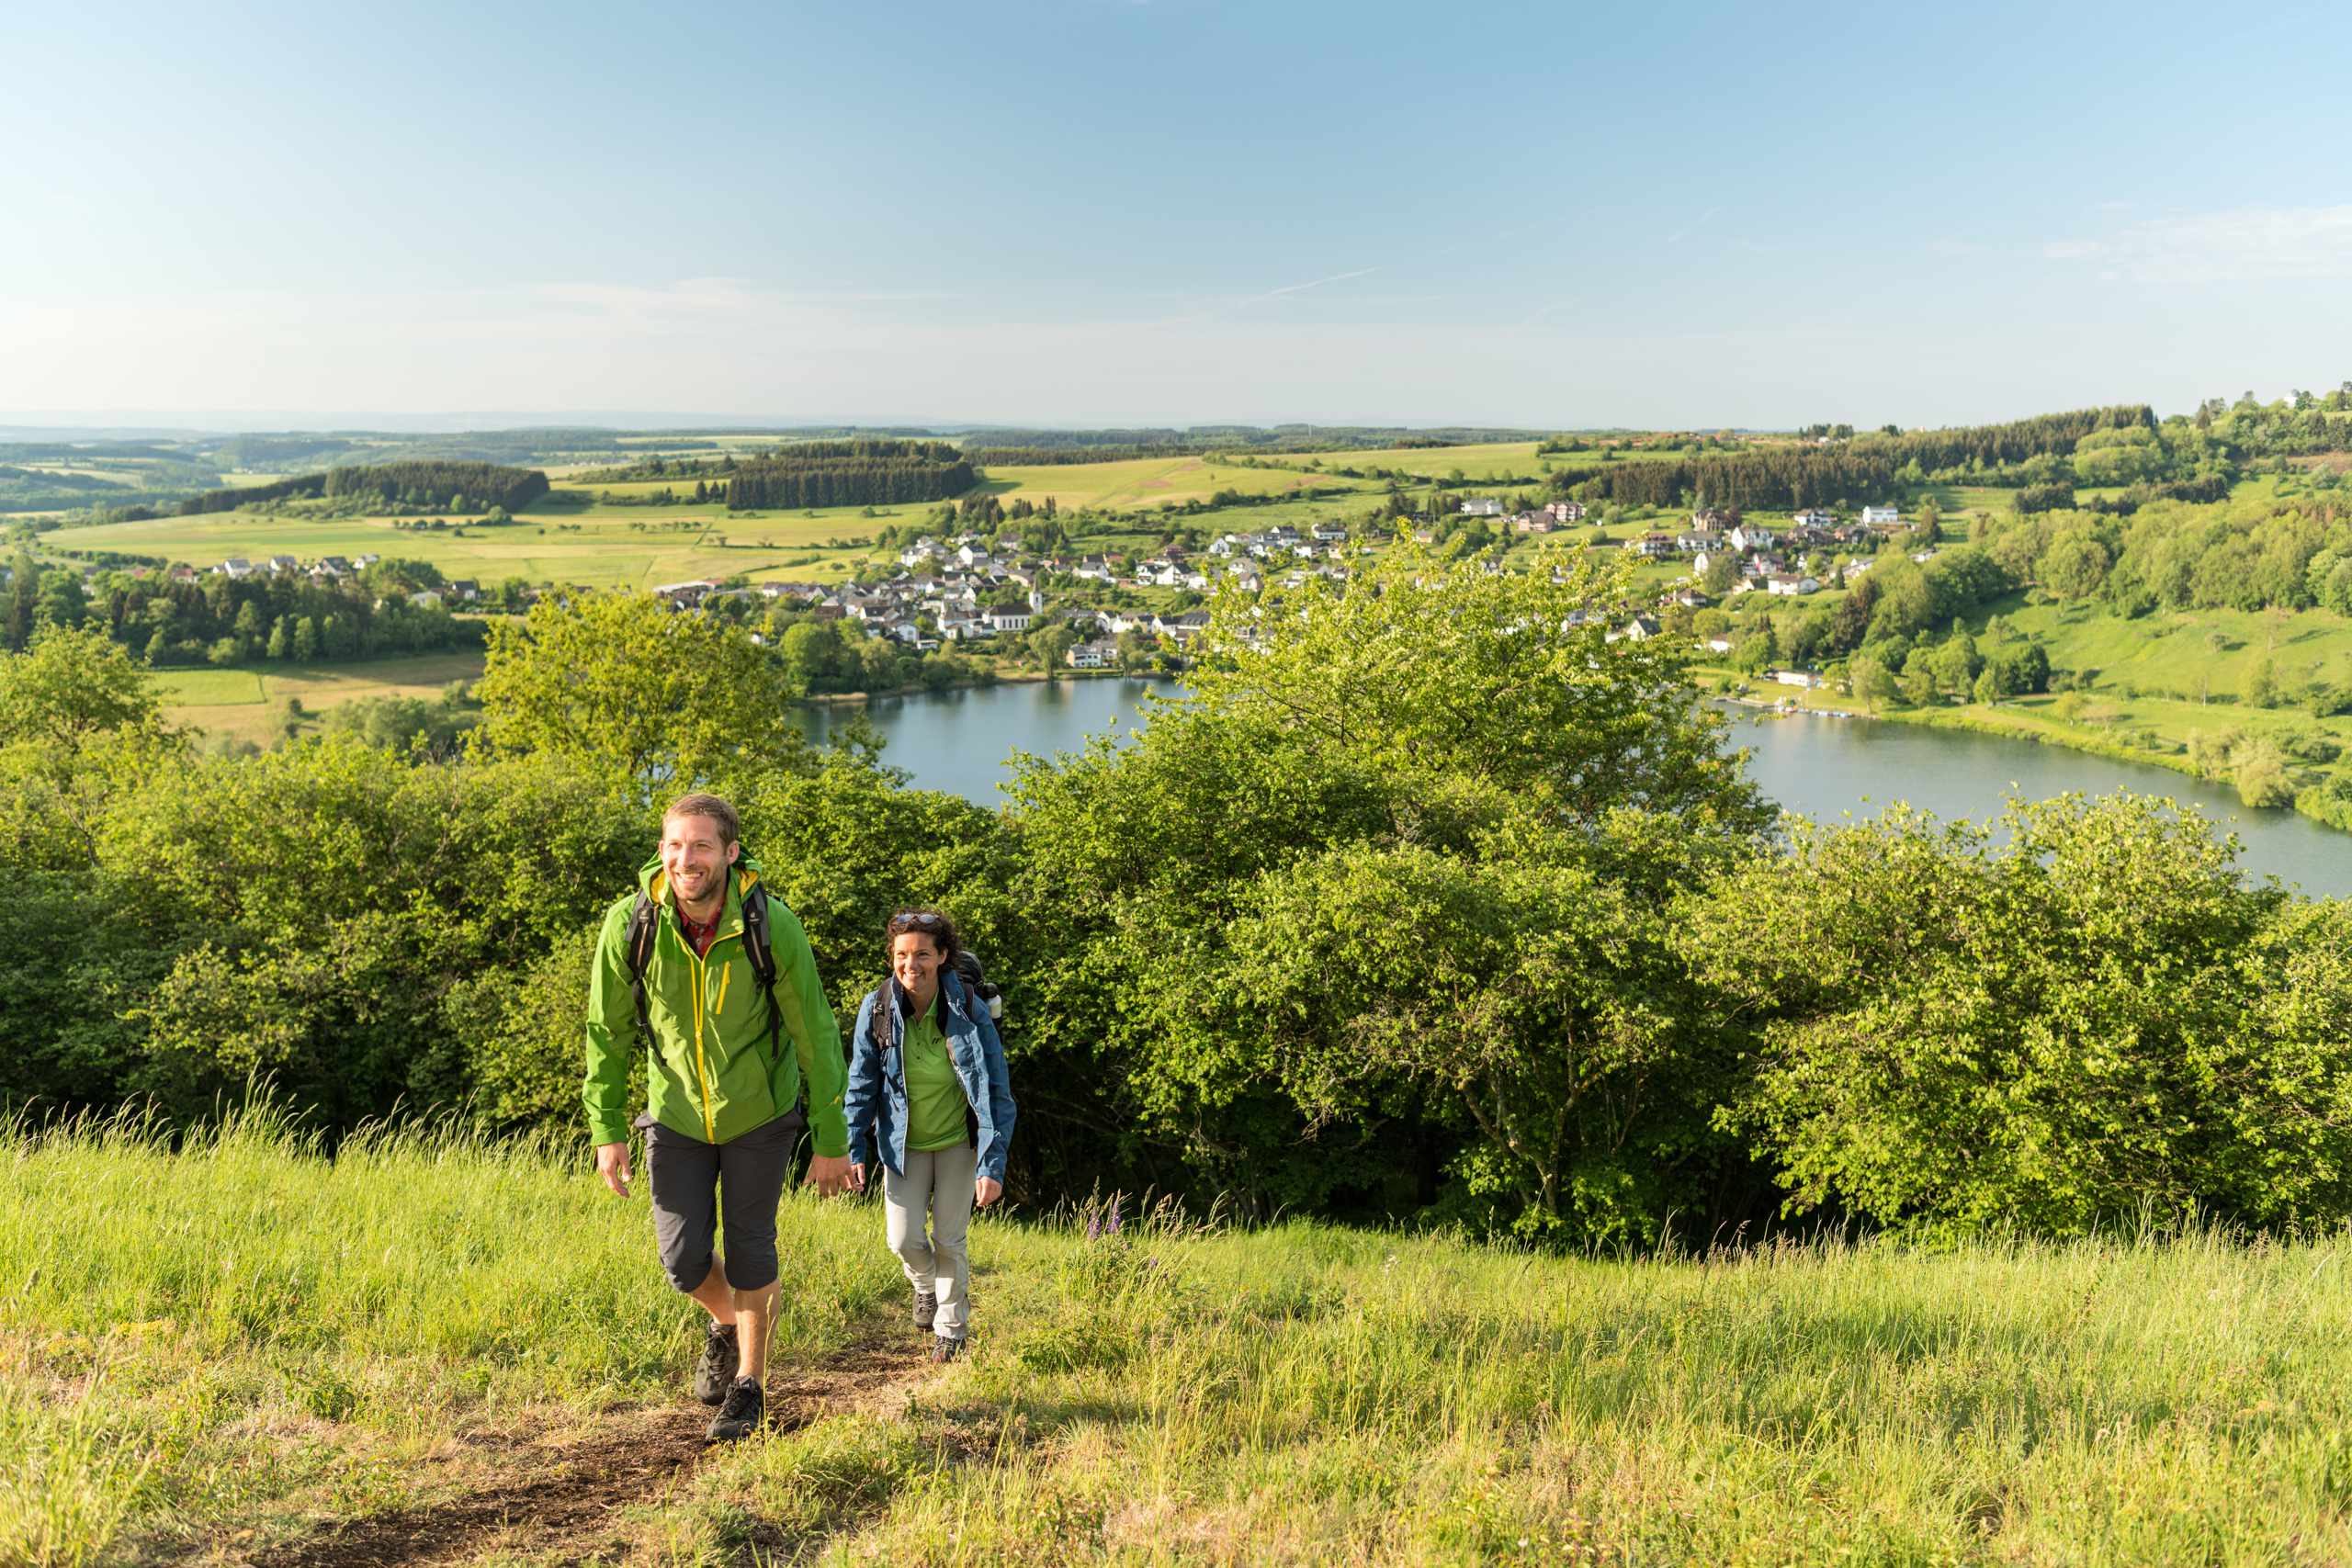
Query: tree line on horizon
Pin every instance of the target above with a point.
(422, 483)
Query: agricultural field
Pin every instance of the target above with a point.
(632, 546)
(244, 1350)
(248, 704)
(1148, 481)
(1498, 461)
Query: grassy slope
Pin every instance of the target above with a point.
(2162, 676)
(240, 1345)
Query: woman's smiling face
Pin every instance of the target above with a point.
(914, 959)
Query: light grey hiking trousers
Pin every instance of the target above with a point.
(939, 1184)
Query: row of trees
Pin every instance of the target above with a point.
(1770, 477)
(2250, 555)
(455, 485)
(1426, 905)
(1991, 446)
(853, 473)
(1051, 457)
(216, 619)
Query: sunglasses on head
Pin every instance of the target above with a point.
(919, 919)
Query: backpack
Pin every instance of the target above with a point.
(645, 919)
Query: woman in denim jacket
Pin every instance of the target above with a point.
(929, 1100)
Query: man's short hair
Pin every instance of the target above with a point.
(722, 816)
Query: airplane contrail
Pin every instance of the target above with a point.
(1317, 283)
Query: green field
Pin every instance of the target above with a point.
(249, 704)
(1145, 482)
(599, 547)
(1487, 460)
(246, 1351)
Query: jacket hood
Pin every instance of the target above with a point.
(655, 881)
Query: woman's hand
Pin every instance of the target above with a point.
(987, 1190)
(857, 1179)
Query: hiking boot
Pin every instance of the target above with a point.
(745, 1412)
(714, 1367)
(945, 1350)
(926, 1309)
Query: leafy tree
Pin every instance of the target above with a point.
(2261, 686)
(1956, 663)
(1918, 678)
(1873, 685)
(2261, 775)
(63, 600)
(1956, 1031)
(620, 683)
(70, 684)
(1456, 758)
(2073, 567)
(24, 589)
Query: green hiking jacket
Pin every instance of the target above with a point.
(712, 1074)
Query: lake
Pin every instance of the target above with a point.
(959, 741)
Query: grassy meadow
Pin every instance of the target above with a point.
(246, 1351)
(1147, 482)
(1497, 460)
(249, 704)
(630, 546)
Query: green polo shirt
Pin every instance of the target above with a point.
(934, 1096)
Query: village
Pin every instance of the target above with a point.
(973, 592)
(968, 591)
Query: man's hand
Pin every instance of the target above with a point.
(987, 1190)
(829, 1174)
(612, 1164)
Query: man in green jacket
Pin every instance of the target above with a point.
(724, 1114)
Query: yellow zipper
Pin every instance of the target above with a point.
(702, 1073)
(701, 989)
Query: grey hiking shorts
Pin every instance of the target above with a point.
(697, 1185)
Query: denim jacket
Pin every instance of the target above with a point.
(877, 1100)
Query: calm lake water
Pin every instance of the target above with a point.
(960, 741)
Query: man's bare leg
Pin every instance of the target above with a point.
(751, 1312)
(717, 1299)
(754, 1320)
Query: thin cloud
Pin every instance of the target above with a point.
(1218, 312)
(2249, 244)
(1301, 287)
(1692, 227)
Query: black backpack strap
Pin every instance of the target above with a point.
(762, 958)
(644, 918)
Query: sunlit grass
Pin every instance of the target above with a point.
(246, 1334)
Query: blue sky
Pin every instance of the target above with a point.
(1110, 211)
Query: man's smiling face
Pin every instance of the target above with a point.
(696, 860)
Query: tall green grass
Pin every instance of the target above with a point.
(245, 1334)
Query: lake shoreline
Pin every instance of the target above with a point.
(1018, 678)
(2307, 804)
